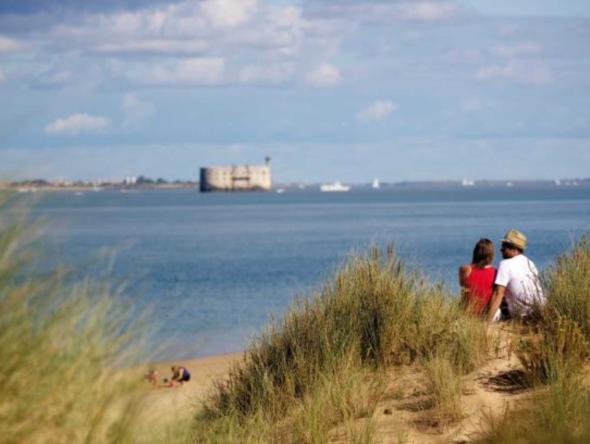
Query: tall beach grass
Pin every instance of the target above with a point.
(374, 314)
(567, 283)
(555, 354)
(62, 345)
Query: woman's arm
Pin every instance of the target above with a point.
(464, 272)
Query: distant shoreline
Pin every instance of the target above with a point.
(32, 185)
(53, 188)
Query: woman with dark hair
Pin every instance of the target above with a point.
(477, 278)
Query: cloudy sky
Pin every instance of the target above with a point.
(330, 89)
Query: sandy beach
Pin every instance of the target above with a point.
(165, 404)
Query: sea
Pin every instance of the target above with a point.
(213, 268)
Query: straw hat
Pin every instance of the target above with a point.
(515, 238)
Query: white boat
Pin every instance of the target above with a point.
(280, 190)
(467, 183)
(376, 185)
(334, 187)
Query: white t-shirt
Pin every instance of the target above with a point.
(521, 279)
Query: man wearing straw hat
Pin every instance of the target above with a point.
(517, 280)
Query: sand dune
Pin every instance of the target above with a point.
(487, 391)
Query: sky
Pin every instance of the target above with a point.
(330, 89)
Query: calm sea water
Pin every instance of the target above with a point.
(213, 267)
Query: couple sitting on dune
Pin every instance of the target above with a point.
(511, 291)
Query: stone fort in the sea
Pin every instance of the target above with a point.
(236, 177)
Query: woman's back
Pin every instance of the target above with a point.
(479, 286)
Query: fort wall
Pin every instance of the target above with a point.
(236, 178)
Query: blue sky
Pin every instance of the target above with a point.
(332, 90)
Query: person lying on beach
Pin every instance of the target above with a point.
(180, 375)
(477, 278)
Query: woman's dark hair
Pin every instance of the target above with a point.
(483, 253)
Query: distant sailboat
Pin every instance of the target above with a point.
(376, 185)
(334, 187)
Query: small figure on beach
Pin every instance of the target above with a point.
(517, 281)
(180, 375)
(477, 278)
(153, 377)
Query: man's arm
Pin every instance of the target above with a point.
(496, 300)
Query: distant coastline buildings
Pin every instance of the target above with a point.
(236, 177)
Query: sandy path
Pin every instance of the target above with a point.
(486, 393)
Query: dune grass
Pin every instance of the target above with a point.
(62, 346)
(555, 355)
(558, 341)
(556, 415)
(568, 284)
(553, 348)
(339, 406)
(444, 385)
(375, 315)
(372, 315)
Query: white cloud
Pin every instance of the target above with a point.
(8, 45)
(509, 51)
(135, 110)
(241, 41)
(427, 11)
(387, 11)
(211, 41)
(154, 46)
(229, 13)
(195, 71)
(183, 28)
(325, 75)
(76, 124)
(377, 111)
(529, 73)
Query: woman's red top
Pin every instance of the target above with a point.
(480, 286)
